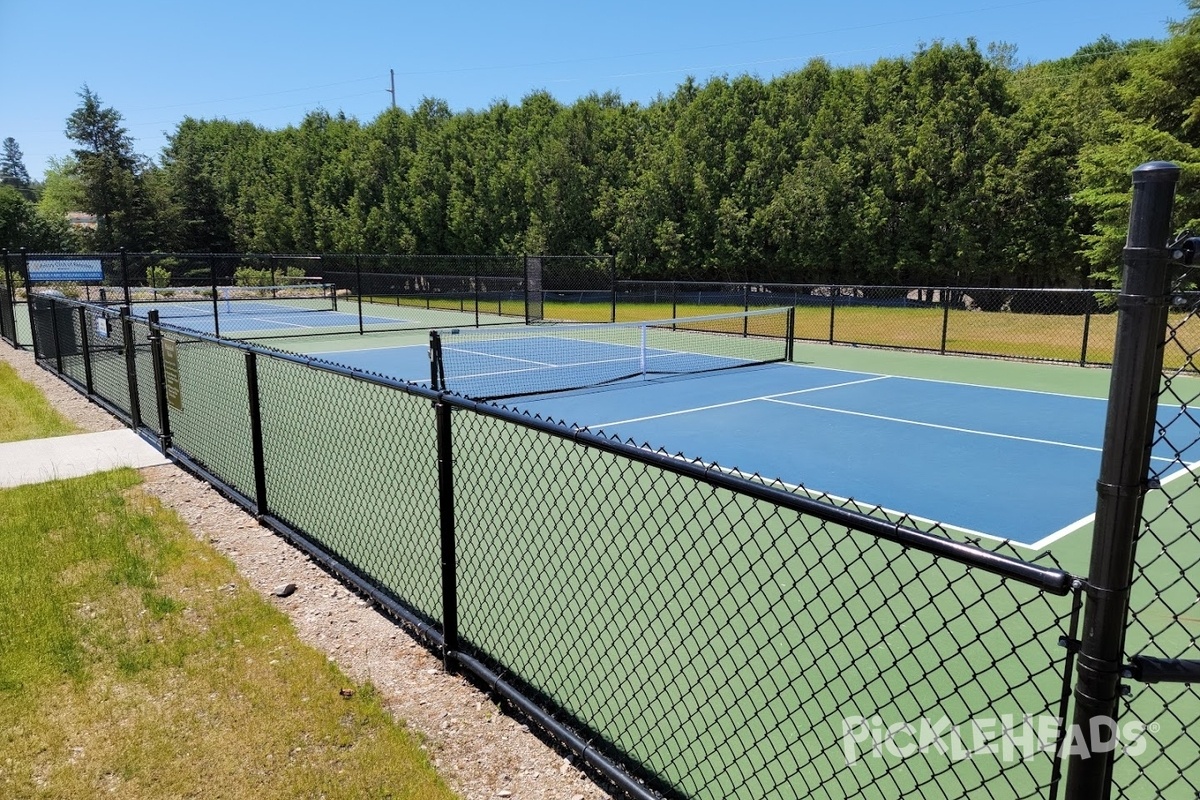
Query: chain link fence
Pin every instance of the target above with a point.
(689, 632)
(1162, 687)
(1059, 325)
(418, 292)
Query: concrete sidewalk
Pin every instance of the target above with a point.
(39, 460)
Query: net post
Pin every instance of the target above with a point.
(212, 276)
(1124, 473)
(790, 335)
(445, 453)
(160, 382)
(642, 351)
(85, 345)
(127, 343)
(256, 435)
(437, 371)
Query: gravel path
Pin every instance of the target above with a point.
(481, 752)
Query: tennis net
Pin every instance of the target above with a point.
(249, 300)
(498, 363)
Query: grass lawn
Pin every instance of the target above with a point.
(24, 412)
(136, 663)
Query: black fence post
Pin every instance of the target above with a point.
(833, 290)
(1124, 476)
(85, 345)
(445, 447)
(746, 308)
(1087, 326)
(946, 294)
(256, 435)
(160, 383)
(8, 324)
(212, 276)
(358, 290)
(125, 277)
(127, 343)
(28, 304)
(476, 278)
(612, 272)
(58, 359)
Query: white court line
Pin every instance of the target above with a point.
(370, 349)
(499, 358)
(542, 365)
(740, 402)
(273, 321)
(1186, 469)
(951, 428)
(960, 383)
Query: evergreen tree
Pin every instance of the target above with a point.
(109, 171)
(12, 169)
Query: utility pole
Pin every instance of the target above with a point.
(392, 90)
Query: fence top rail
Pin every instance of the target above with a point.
(1047, 579)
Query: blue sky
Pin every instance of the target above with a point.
(271, 63)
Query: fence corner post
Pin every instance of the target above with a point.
(1124, 475)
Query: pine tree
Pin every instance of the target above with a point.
(12, 169)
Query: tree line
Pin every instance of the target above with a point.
(954, 165)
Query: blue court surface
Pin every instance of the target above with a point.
(270, 320)
(1001, 463)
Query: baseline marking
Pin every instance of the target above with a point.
(1186, 469)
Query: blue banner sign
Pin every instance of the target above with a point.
(48, 270)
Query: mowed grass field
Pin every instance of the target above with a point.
(135, 662)
(24, 412)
